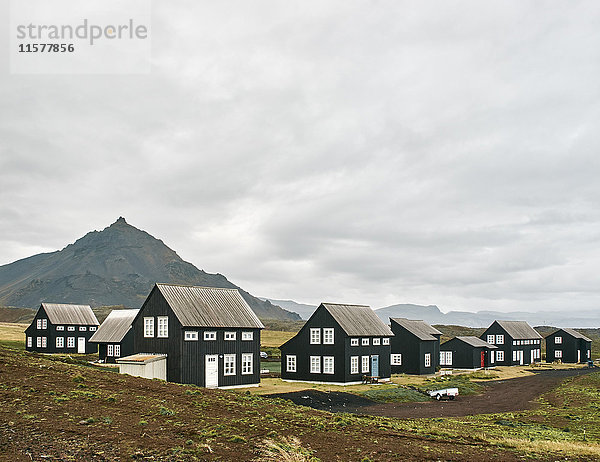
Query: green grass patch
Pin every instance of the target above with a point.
(399, 394)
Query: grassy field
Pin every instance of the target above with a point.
(12, 332)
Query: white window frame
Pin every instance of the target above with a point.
(315, 336)
(376, 341)
(210, 335)
(93, 328)
(38, 342)
(500, 339)
(229, 336)
(82, 328)
(290, 363)
(70, 342)
(162, 327)
(60, 327)
(328, 365)
(365, 341)
(247, 363)
(315, 364)
(499, 356)
(491, 339)
(558, 340)
(354, 365)
(229, 364)
(38, 324)
(514, 355)
(396, 359)
(148, 327)
(44, 342)
(386, 341)
(110, 350)
(353, 342)
(427, 359)
(190, 335)
(365, 364)
(247, 336)
(445, 358)
(117, 350)
(71, 328)
(29, 342)
(60, 342)
(328, 336)
(558, 354)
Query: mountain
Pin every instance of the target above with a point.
(302, 309)
(115, 266)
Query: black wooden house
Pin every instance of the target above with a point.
(467, 353)
(340, 344)
(568, 346)
(516, 341)
(62, 328)
(115, 335)
(210, 336)
(415, 347)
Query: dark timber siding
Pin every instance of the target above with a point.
(508, 347)
(126, 348)
(466, 356)
(569, 347)
(413, 352)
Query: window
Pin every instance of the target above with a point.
(229, 335)
(376, 341)
(44, 342)
(445, 358)
(70, 342)
(39, 324)
(148, 327)
(117, 351)
(315, 364)
(328, 364)
(386, 341)
(365, 342)
(558, 353)
(93, 329)
(82, 328)
(500, 339)
(491, 338)
(515, 343)
(354, 364)
(365, 365)
(247, 335)
(557, 340)
(42, 324)
(500, 356)
(162, 326)
(29, 342)
(190, 335)
(353, 342)
(515, 355)
(60, 342)
(210, 335)
(427, 359)
(328, 335)
(110, 351)
(61, 328)
(396, 359)
(38, 342)
(229, 364)
(246, 363)
(71, 328)
(526, 342)
(290, 361)
(315, 336)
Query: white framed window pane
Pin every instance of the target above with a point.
(365, 341)
(500, 356)
(491, 338)
(386, 341)
(162, 326)
(353, 342)
(315, 336)
(60, 342)
(557, 340)
(29, 342)
(365, 364)
(39, 324)
(558, 353)
(229, 364)
(315, 364)
(71, 342)
(291, 363)
(247, 335)
(38, 342)
(427, 359)
(191, 335)
(328, 335)
(354, 364)
(71, 328)
(396, 359)
(500, 339)
(247, 363)
(210, 335)
(229, 336)
(109, 350)
(376, 341)
(92, 329)
(328, 365)
(148, 327)
(44, 342)
(117, 351)
(61, 328)
(82, 328)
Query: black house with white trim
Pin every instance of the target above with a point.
(115, 335)
(415, 347)
(568, 346)
(62, 328)
(518, 343)
(210, 336)
(339, 344)
(467, 353)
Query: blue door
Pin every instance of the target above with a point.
(374, 365)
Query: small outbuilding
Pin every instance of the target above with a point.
(415, 347)
(340, 343)
(517, 342)
(144, 365)
(568, 346)
(115, 336)
(62, 328)
(467, 353)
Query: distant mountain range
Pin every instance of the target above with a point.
(115, 266)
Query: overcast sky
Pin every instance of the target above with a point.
(372, 152)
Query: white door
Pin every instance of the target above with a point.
(520, 357)
(212, 371)
(578, 356)
(532, 356)
(80, 344)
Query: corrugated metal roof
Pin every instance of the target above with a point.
(70, 314)
(209, 307)
(357, 320)
(115, 326)
(420, 329)
(476, 342)
(576, 334)
(140, 358)
(519, 329)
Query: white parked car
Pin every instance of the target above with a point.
(263, 354)
(449, 393)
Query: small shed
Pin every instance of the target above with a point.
(467, 353)
(115, 335)
(144, 365)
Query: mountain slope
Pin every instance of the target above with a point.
(115, 266)
(305, 311)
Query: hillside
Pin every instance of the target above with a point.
(305, 311)
(115, 266)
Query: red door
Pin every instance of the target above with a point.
(482, 359)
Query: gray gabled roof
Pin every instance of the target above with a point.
(420, 329)
(115, 326)
(519, 330)
(574, 333)
(357, 320)
(209, 307)
(61, 313)
(476, 342)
